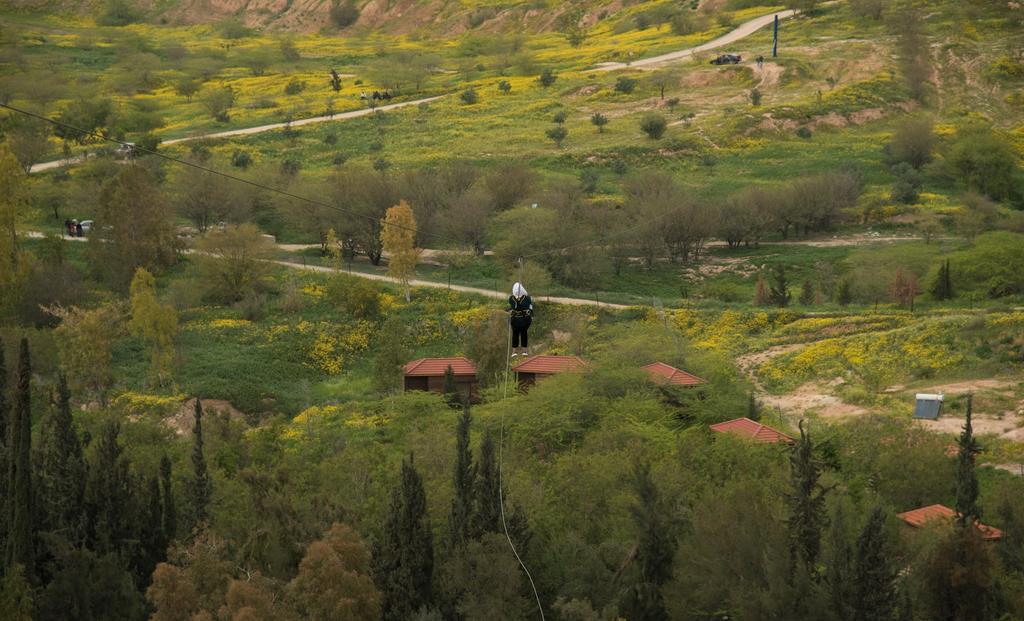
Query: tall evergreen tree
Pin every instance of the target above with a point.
(753, 409)
(22, 523)
(61, 471)
(655, 550)
(403, 557)
(460, 520)
(806, 502)
(202, 487)
(450, 388)
(169, 519)
(874, 579)
(778, 292)
(4, 446)
(109, 498)
(839, 568)
(942, 286)
(967, 511)
(152, 541)
(487, 518)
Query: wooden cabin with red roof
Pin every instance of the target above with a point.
(529, 371)
(752, 429)
(668, 375)
(918, 518)
(428, 374)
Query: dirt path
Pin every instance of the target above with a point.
(743, 31)
(490, 293)
(248, 131)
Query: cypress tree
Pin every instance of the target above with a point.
(202, 487)
(806, 503)
(403, 557)
(839, 569)
(450, 388)
(460, 520)
(807, 293)
(874, 579)
(152, 540)
(109, 498)
(753, 410)
(488, 502)
(844, 295)
(778, 292)
(967, 510)
(942, 286)
(61, 471)
(169, 518)
(4, 445)
(21, 521)
(655, 550)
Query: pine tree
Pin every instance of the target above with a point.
(169, 518)
(874, 579)
(655, 550)
(202, 487)
(61, 471)
(967, 510)
(942, 286)
(403, 557)
(460, 520)
(21, 521)
(778, 293)
(806, 503)
(839, 569)
(488, 503)
(807, 293)
(844, 294)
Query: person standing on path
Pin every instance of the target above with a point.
(520, 309)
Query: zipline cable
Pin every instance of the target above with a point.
(501, 492)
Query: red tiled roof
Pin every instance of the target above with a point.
(433, 367)
(549, 364)
(751, 429)
(664, 373)
(919, 517)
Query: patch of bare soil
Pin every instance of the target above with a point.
(769, 74)
(812, 396)
(716, 266)
(960, 388)
(184, 419)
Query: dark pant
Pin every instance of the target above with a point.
(519, 338)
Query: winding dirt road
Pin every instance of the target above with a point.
(247, 131)
(743, 31)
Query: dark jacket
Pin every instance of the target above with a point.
(521, 311)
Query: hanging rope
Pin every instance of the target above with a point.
(501, 490)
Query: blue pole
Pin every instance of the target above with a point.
(775, 37)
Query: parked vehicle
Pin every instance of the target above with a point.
(727, 59)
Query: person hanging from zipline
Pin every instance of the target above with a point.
(520, 309)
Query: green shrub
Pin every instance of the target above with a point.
(654, 125)
(294, 86)
(469, 96)
(547, 78)
(803, 132)
(625, 85)
(356, 297)
(560, 117)
(991, 266)
(344, 14)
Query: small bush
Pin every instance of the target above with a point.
(560, 117)
(234, 29)
(241, 159)
(625, 85)
(331, 138)
(252, 306)
(339, 159)
(803, 132)
(547, 78)
(589, 178)
(505, 87)
(654, 125)
(381, 164)
(294, 86)
(599, 120)
(357, 297)
(290, 166)
(672, 103)
(469, 96)
(908, 183)
(755, 97)
(619, 167)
